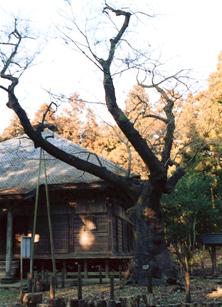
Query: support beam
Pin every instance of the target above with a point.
(9, 244)
(85, 269)
(9, 249)
(110, 227)
(107, 268)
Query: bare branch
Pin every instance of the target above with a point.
(157, 172)
(78, 46)
(63, 98)
(9, 60)
(87, 41)
(157, 117)
(114, 41)
(169, 97)
(4, 88)
(170, 121)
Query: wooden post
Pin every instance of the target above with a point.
(79, 283)
(43, 271)
(9, 245)
(64, 269)
(150, 282)
(34, 282)
(63, 278)
(52, 289)
(214, 259)
(21, 269)
(29, 282)
(120, 272)
(112, 286)
(110, 228)
(85, 269)
(46, 279)
(100, 275)
(107, 268)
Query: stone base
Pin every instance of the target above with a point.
(8, 280)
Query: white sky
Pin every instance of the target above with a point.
(185, 33)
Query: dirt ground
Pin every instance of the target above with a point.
(202, 290)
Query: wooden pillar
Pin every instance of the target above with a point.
(107, 268)
(214, 259)
(9, 245)
(64, 269)
(110, 226)
(85, 269)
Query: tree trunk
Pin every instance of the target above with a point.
(151, 254)
(187, 286)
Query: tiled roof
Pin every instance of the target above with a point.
(19, 165)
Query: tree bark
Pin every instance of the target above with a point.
(151, 253)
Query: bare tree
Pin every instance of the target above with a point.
(144, 196)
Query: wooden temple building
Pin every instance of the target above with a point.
(89, 221)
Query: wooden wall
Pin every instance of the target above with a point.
(122, 235)
(68, 225)
(112, 235)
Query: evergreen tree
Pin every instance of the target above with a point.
(189, 212)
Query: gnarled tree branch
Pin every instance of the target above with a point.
(155, 166)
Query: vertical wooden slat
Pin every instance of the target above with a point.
(71, 243)
(110, 230)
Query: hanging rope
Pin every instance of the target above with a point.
(35, 214)
(49, 218)
(42, 157)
